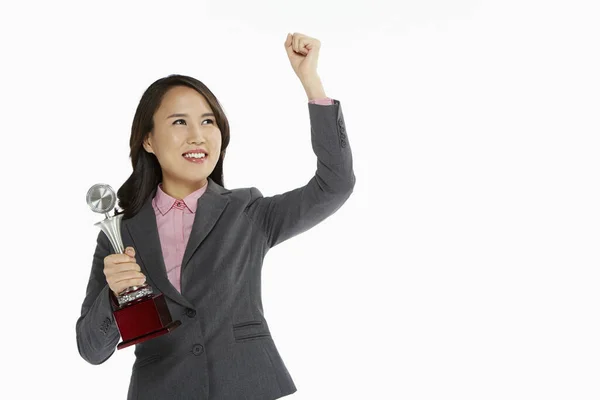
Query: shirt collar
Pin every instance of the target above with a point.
(165, 202)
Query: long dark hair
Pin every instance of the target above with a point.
(147, 173)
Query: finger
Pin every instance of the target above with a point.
(129, 266)
(123, 281)
(113, 269)
(133, 282)
(127, 259)
(289, 45)
(120, 288)
(126, 276)
(288, 41)
(303, 48)
(120, 258)
(300, 44)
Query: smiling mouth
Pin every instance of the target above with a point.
(197, 160)
(198, 155)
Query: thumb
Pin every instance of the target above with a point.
(130, 251)
(312, 52)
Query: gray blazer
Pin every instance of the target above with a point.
(223, 350)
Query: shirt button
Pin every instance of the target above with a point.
(198, 349)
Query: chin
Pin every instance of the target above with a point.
(196, 180)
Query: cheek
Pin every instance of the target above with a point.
(168, 155)
(217, 141)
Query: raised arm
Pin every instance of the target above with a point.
(285, 215)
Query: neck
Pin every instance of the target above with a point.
(180, 191)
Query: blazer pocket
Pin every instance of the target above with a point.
(250, 330)
(141, 362)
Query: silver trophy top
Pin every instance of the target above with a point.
(101, 198)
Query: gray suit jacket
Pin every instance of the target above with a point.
(223, 350)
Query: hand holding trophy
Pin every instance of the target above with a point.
(122, 273)
(141, 315)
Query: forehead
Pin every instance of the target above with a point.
(183, 99)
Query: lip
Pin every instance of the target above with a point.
(196, 151)
(196, 160)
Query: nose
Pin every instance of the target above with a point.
(195, 135)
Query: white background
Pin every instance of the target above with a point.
(463, 266)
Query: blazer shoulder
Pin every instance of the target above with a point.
(245, 195)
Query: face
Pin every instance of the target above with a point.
(184, 121)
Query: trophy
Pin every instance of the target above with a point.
(141, 315)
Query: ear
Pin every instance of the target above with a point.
(147, 145)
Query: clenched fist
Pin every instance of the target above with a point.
(303, 53)
(122, 271)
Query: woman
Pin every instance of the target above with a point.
(202, 245)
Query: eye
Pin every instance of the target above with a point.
(212, 122)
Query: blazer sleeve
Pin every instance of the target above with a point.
(285, 215)
(96, 330)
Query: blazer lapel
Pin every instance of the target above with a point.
(143, 230)
(209, 208)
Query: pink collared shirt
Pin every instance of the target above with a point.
(175, 218)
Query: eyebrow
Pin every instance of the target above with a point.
(185, 115)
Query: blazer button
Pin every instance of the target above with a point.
(198, 349)
(190, 313)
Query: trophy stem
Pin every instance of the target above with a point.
(111, 226)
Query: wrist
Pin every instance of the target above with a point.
(313, 87)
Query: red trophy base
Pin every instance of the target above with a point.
(144, 319)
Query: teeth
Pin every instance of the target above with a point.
(195, 155)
